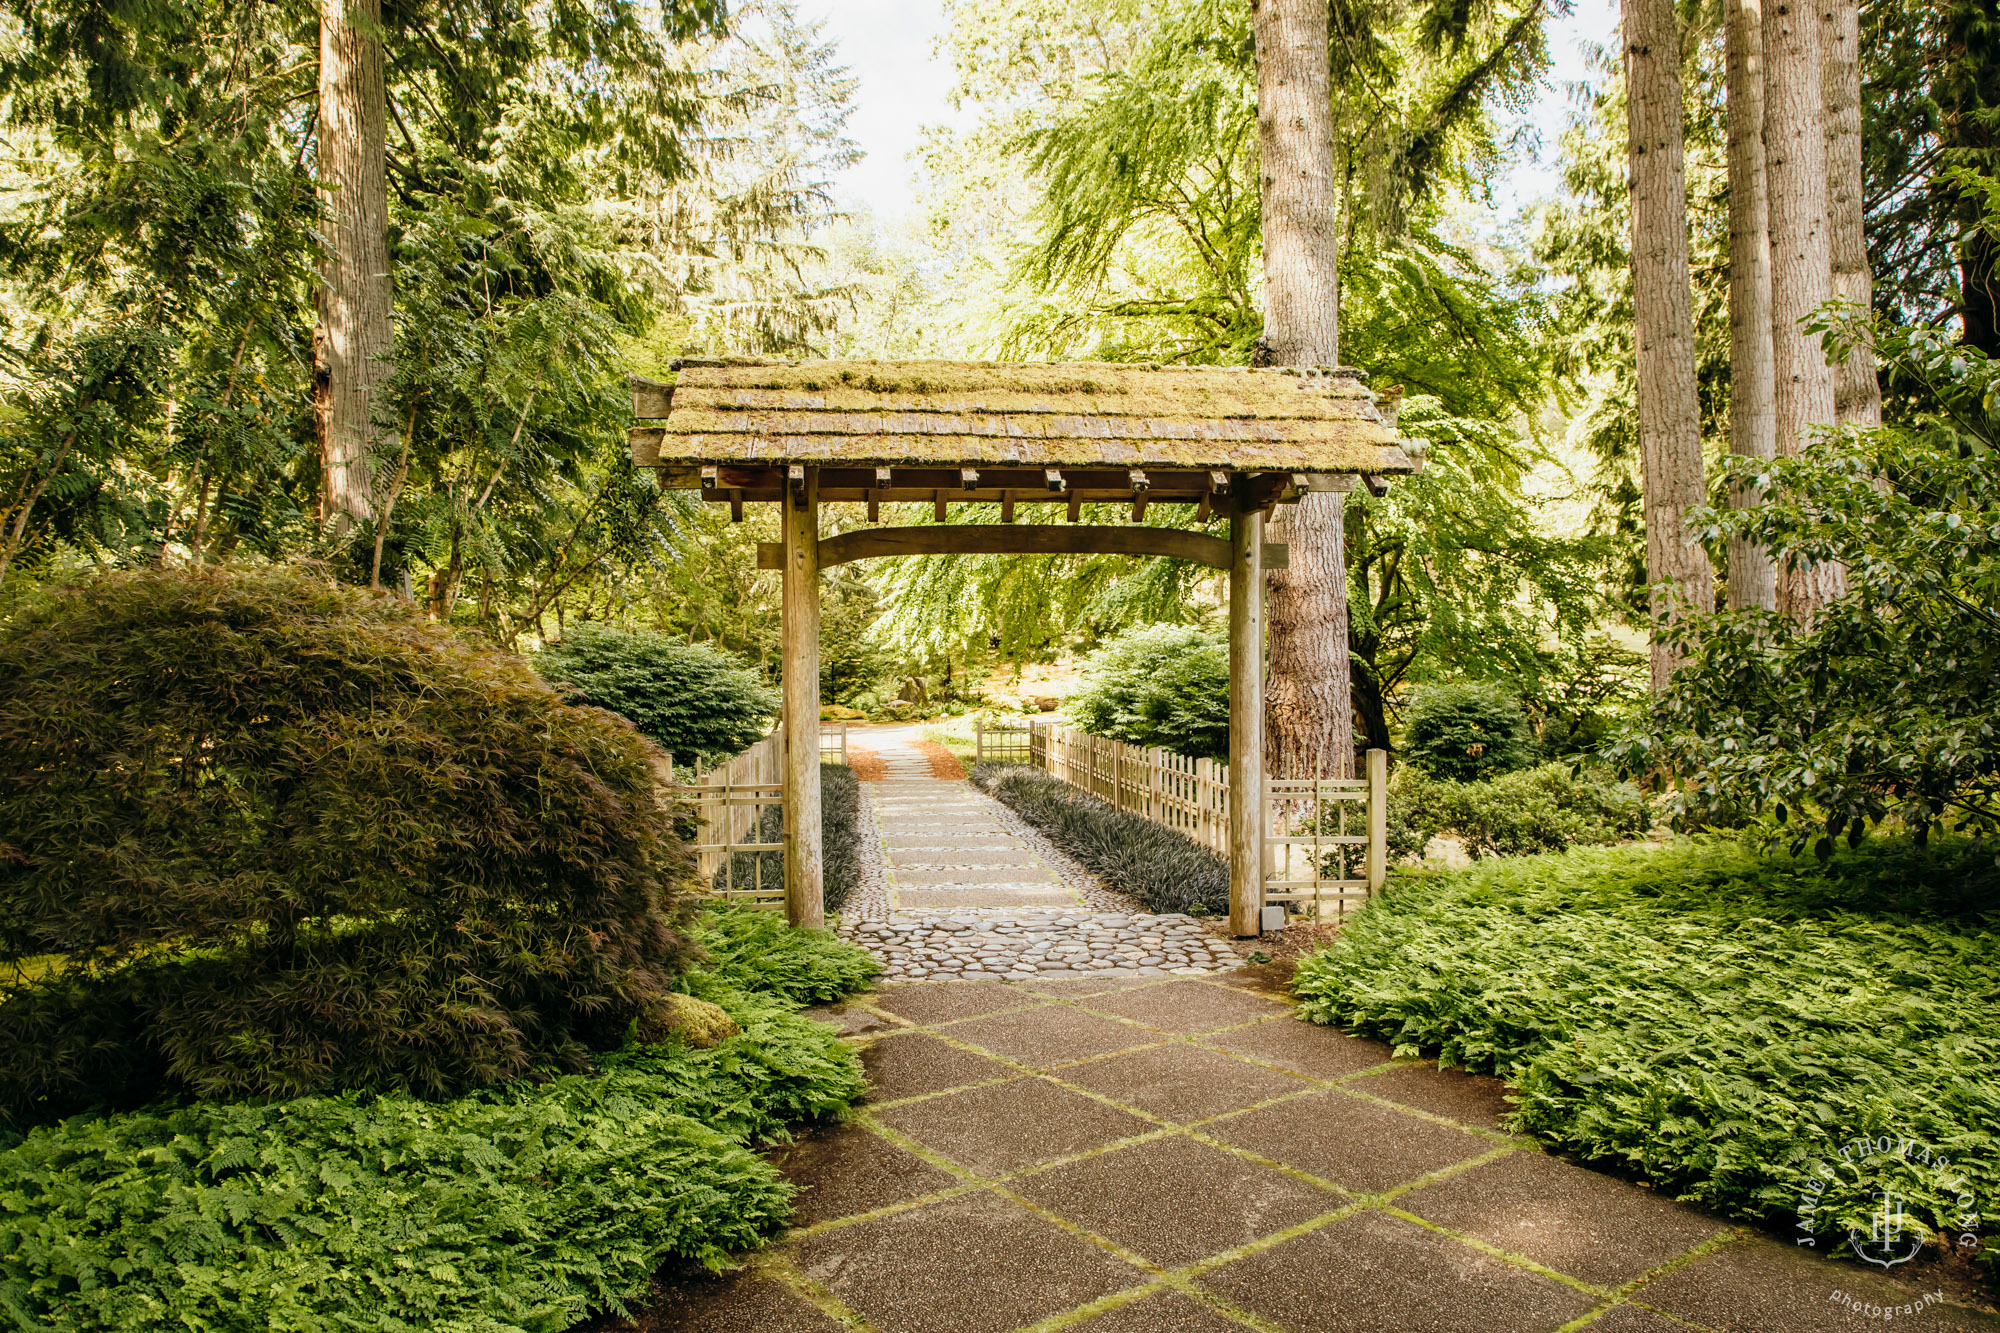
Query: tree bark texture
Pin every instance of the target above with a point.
(1801, 255)
(1979, 292)
(1752, 416)
(353, 342)
(1669, 427)
(1308, 686)
(1301, 213)
(1309, 715)
(1857, 392)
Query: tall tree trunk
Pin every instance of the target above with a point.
(1662, 295)
(1857, 392)
(1979, 291)
(1801, 256)
(352, 342)
(1753, 579)
(1308, 705)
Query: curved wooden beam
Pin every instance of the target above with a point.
(1025, 539)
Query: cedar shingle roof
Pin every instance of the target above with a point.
(971, 413)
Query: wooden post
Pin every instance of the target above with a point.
(1378, 819)
(804, 892)
(1246, 716)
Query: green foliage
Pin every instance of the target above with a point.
(528, 1207)
(852, 662)
(840, 835)
(753, 950)
(282, 836)
(1455, 573)
(701, 704)
(935, 606)
(1713, 1020)
(1545, 809)
(1885, 706)
(650, 187)
(1132, 129)
(1463, 733)
(1159, 685)
(1167, 871)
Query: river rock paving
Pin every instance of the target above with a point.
(1006, 945)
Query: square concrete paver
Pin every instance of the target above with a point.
(931, 1002)
(1760, 1286)
(1371, 1273)
(844, 1171)
(1304, 1048)
(736, 1303)
(1470, 1099)
(990, 895)
(974, 1264)
(1166, 1312)
(925, 879)
(1011, 1125)
(1188, 1007)
(911, 1064)
(1051, 1035)
(1174, 1200)
(1181, 1083)
(965, 856)
(1355, 1144)
(1575, 1221)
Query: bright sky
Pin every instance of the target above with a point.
(888, 44)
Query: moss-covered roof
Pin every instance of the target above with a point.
(969, 413)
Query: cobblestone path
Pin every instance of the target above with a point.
(967, 890)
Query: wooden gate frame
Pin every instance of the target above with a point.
(1230, 441)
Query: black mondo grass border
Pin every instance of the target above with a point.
(839, 840)
(1167, 871)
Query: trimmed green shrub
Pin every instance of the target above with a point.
(271, 836)
(530, 1206)
(1716, 1021)
(699, 702)
(839, 841)
(1167, 871)
(1464, 733)
(1159, 685)
(1543, 809)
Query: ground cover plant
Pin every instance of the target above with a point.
(1715, 1020)
(264, 835)
(699, 702)
(1167, 871)
(524, 1206)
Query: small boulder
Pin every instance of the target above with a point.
(695, 1022)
